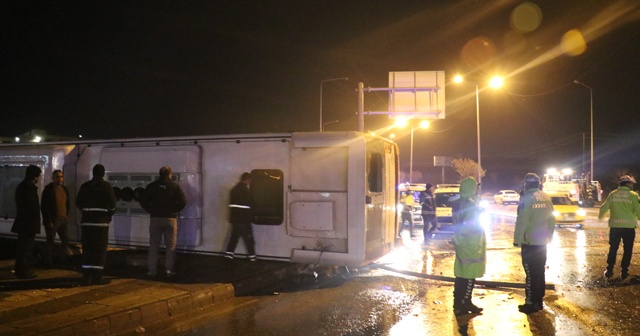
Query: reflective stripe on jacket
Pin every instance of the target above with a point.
(624, 206)
(535, 222)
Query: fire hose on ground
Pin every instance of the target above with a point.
(451, 279)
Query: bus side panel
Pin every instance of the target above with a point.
(222, 165)
(318, 195)
(131, 169)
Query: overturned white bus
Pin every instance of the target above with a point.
(322, 197)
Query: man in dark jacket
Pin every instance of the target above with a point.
(27, 222)
(163, 199)
(55, 210)
(240, 216)
(97, 201)
(428, 204)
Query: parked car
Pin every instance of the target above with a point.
(507, 196)
(567, 211)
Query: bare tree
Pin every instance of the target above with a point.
(466, 168)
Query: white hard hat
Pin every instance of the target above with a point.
(626, 178)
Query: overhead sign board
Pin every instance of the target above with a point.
(442, 161)
(417, 94)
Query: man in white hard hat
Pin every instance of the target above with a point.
(623, 220)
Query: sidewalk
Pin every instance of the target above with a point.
(54, 303)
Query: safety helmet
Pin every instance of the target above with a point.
(626, 179)
(531, 177)
(531, 180)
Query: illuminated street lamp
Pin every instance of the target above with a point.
(402, 122)
(321, 84)
(495, 82)
(591, 104)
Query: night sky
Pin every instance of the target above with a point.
(125, 69)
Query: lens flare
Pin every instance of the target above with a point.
(573, 43)
(526, 17)
(478, 52)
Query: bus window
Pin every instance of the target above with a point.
(10, 177)
(267, 187)
(375, 175)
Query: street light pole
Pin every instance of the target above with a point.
(495, 82)
(591, 174)
(401, 122)
(321, 84)
(478, 132)
(411, 158)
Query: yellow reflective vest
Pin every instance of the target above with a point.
(624, 206)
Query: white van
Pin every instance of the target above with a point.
(444, 195)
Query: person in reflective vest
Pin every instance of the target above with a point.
(624, 209)
(241, 217)
(407, 201)
(97, 201)
(535, 225)
(470, 246)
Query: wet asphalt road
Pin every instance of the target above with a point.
(372, 301)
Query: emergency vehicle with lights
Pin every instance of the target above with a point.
(580, 189)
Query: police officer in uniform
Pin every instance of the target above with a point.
(241, 217)
(623, 220)
(97, 201)
(535, 225)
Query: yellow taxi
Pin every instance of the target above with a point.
(566, 211)
(443, 196)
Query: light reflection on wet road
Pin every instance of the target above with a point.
(372, 301)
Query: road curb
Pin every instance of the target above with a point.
(55, 304)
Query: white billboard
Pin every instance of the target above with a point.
(417, 94)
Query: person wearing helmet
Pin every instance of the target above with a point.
(623, 220)
(535, 224)
(470, 245)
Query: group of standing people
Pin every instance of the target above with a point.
(428, 212)
(54, 207)
(95, 199)
(535, 224)
(163, 199)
